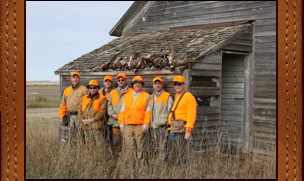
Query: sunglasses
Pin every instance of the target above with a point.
(178, 84)
(92, 87)
(121, 80)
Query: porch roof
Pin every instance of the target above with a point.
(196, 43)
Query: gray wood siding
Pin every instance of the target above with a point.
(163, 16)
(208, 117)
(264, 104)
(242, 43)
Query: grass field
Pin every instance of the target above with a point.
(47, 159)
(48, 96)
(49, 92)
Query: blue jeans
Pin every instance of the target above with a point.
(173, 136)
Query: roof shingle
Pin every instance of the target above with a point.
(197, 43)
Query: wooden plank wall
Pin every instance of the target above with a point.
(243, 43)
(264, 115)
(163, 15)
(208, 117)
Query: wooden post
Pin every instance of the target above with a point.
(248, 105)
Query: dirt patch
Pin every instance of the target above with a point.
(49, 92)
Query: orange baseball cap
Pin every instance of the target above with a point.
(121, 75)
(75, 73)
(157, 78)
(93, 83)
(108, 78)
(179, 79)
(137, 79)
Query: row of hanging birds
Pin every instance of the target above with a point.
(152, 61)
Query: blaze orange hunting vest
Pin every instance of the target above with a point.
(136, 114)
(115, 96)
(96, 102)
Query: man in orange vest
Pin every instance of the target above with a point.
(71, 99)
(134, 117)
(114, 106)
(162, 102)
(184, 112)
(91, 114)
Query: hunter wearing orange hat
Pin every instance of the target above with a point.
(162, 102)
(71, 99)
(108, 87)
(181, 119)
(114, 105)
(91, 114)
(134, 117)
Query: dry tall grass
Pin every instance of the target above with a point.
(45, 158)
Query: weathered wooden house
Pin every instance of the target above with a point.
(235, 83)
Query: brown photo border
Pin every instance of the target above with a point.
(289, 89)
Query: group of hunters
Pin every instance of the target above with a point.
(123, 116)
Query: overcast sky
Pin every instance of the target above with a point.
(58, 32)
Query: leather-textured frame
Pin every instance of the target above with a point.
(12, 89)
(289, 89)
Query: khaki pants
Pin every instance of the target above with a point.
(75, 133)
(131, 133)
(177, 150)
(94, 137)
(159, 141)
